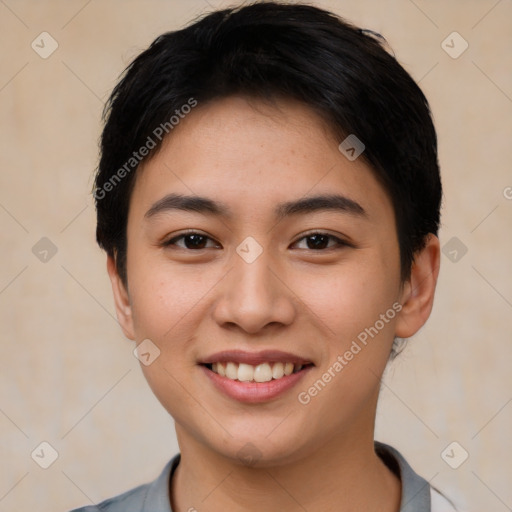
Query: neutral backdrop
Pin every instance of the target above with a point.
(68, 376)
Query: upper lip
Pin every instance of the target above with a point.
(254, 358)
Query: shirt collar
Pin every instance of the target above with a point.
(415, 489)
(158, 497)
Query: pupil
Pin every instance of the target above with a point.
(196, 241)
(318, 241)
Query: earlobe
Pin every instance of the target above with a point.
(418, 292)
(121, 300)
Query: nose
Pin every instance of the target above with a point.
(254, 296)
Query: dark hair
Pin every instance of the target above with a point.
(271, 50)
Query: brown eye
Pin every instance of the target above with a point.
(320, 241)
(191, 241)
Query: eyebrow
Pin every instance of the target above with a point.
(205, 205)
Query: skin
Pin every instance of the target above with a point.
(311, 302)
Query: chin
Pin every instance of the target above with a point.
(261, 450)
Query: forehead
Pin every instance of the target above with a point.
(249, 156)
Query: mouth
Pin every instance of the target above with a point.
(255, 377)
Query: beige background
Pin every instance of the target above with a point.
(68, 376)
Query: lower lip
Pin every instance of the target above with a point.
(255, 392)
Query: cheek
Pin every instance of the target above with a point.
(361, 318)
(346, 301)
(162, 297)
(171, 391)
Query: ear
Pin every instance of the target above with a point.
(417, 296)
(121, 300)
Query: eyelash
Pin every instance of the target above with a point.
(339, 242)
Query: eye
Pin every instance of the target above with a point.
(318, 241)
(192, 240)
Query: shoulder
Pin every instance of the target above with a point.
(129, 500)
(150, 497)
(417, 494)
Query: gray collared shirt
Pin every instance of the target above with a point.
(417, 495)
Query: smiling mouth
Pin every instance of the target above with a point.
(264, 372)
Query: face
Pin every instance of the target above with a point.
(289, 263)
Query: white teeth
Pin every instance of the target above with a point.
(231, 371)
(263, 372)
(245, 372)
(277, 370)
(288, 368)
(221, 369)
